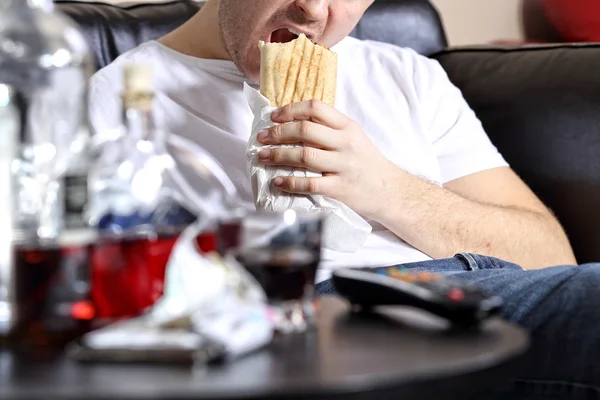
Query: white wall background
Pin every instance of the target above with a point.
(481, 21)
(466, 21)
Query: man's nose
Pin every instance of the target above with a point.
(316, 10)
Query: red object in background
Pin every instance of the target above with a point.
(128, 274)
(83, 310)
(575, 20)
(206, 242)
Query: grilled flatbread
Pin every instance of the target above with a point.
(297, 71)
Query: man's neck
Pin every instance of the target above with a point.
(199, 36)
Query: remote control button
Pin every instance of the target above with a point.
(456, 295)
(427, 277)
(402, 275)
(396, 272)
(406, 278)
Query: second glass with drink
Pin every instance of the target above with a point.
(282, 251)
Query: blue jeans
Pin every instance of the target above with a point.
(559, 306)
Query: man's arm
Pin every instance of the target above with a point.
(490, 212)
(483, 207)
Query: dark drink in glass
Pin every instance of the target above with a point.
(52, 291)
(282, 251)
(128, 273)
(285, 274)
(67, 287)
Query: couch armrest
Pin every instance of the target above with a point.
(540, 105)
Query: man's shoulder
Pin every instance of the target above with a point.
(387, 63)
(380, 55)
(352, 46)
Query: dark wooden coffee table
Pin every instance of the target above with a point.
(403, 355)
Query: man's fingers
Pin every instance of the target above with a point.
(311, 110)
(306, 132)
(324, 185)
(316, 160)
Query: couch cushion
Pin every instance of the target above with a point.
(112, 30)
(541, 107)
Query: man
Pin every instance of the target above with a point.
(402, 148)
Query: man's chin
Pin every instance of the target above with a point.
(254, 78)
(252, 73)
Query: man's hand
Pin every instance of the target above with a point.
(354, 170)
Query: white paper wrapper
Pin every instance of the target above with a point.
(216, 298)
(343, 229)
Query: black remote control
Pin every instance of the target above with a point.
(462, 304)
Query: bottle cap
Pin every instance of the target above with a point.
(137, 78)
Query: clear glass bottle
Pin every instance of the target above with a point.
(46, 59)
(9, 141)
(138, 216)
(129, 187)
(141, 201)
(46, 63)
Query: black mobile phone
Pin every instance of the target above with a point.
(207, 352)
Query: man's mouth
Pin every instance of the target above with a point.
(284, 35)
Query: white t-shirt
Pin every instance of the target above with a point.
(404, 102)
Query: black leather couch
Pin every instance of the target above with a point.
(540, 105)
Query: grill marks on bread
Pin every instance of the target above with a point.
(297, 71)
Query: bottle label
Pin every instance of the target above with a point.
(76, 198)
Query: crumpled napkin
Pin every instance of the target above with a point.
(207, 300)
(343, 229)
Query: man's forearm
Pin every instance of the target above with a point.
(441, 223)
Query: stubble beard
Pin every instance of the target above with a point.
(227, 31)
